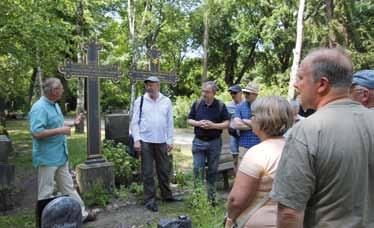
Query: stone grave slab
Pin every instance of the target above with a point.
(62, 212)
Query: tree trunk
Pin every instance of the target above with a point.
(297, 50)
(131, 16)
(32, 83)
(80, 84)
(204, 76)
(329, 18)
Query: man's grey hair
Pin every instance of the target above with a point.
(49, 84)
(332, 63)
(211, 84)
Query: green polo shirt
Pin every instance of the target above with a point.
(50, 151)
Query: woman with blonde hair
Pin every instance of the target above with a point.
(249, 204)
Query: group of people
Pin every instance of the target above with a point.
(290, 171)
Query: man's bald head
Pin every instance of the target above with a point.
(334, 64)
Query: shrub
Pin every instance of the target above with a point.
(202, 213)
(124, 164)
(181, 109)
(97, 196)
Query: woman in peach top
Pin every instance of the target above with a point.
(248, 202)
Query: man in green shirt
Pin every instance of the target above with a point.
(325, 177)
(50, 151)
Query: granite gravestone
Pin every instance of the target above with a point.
(6, 174)
(117, 127)
(62, 212)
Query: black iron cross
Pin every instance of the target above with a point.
(154, 70)
(93, 72)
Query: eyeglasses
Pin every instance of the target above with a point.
(233, 93)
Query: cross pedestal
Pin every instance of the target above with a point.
(95, 169)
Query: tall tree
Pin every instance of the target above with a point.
(297, 50)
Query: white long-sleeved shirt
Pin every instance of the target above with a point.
(156, 125)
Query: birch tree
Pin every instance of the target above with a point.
(297, 50)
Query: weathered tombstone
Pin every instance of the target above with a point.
(117, 127)
(62, 212)
(181, 222)
(6, 174)
(95, 169)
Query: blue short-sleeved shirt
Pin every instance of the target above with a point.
(51, 151)
(247, 138)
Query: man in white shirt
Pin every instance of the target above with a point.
(152, 129)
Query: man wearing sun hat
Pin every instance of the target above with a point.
(242, 120)
(362, 89)
(152, 129)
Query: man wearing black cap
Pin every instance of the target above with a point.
(152, 129)
(362, 89)
(236, 95)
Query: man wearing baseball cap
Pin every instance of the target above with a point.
(152, 129)
(236, 95)
(243, 117)
(362, 89)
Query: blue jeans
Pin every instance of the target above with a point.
(206, 151)
(234, 145)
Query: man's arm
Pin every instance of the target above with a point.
(38, 125)
(170, 127)
(76, 121)
(195, 123)
(242, 124)
(65, 130)
(207, 124)
(289, 218)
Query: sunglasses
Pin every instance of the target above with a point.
(233, 93)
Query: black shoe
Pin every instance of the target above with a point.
(152, 207)
(90, 217)
(172, 199)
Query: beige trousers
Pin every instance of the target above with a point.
(64, 181)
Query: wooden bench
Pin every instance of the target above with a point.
(226, 166)
(226, 161)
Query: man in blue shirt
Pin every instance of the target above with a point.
(236, 95)
(209, 117)
(50, 151)
(242, 120)
(152, 129)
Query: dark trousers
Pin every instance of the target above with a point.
(202, 152)
(155, 153)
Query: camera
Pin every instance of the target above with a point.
(181, 222)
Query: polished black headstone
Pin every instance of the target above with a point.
(62, 212)
(117, 127)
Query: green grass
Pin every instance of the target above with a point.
(77, 146)
(24, 220)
